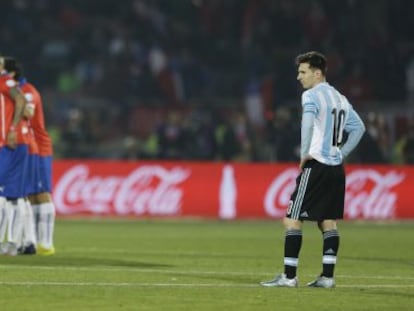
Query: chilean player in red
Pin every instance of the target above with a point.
(13, 159)
(40, 163)
(32, 186)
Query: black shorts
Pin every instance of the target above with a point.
(319, 193)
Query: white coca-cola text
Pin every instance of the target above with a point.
(369, 194)
(149, 189)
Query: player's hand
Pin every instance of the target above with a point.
(303, 161)
(11, 140)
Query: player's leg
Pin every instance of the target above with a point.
(334, 210)
(16, 210)
(36, 214)
(46, 212)
(330, 248)
(14, 192)
(28, 246)
(5, 159)
(292, 246)
(45, 224)
(3, 225)
(293, 230)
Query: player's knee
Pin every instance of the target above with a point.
(327, 225)
(292, 224)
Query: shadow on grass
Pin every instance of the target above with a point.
(77, 262)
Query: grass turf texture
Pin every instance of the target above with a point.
(207, 265)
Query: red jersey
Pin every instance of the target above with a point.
(31, 141)
(37, 122)
(7, 107)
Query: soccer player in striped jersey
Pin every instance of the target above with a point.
(13, 159)
(319, 195)
(41, 164)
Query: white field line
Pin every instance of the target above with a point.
(192, 285)
(188, 272)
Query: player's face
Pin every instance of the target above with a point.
(307, 77)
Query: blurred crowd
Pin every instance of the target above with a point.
(210, 79)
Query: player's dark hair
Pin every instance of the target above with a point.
(315, 60)
(12, 65)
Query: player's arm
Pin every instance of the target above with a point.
(308, 118)
(20, 103)
(355, 129)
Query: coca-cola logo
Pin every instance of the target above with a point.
(149, 189)
(369, 194)
(278, 194)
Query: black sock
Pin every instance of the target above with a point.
(293, 243)
(330, 250)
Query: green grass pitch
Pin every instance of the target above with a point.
(104, 264)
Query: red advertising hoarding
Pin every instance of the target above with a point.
(217, 190)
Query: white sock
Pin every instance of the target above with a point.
(36, 217)
(46, 224)
(15, 220)
(3, 219)
(29, 234)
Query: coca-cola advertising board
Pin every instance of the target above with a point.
(217, 190)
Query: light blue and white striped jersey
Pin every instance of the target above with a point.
(326, 114)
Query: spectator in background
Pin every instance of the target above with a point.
(227, 144)
(357, 87)
(317, 24)
(171, 137)
(402, 151)
(76, 136)
(375, 144)
(409, 71)
(283, 136)
(368, 150)
(178, 52)
(408, 146)
(245, 138)
(131, 149)
(200, 142)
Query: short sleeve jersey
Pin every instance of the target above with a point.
(7, 108)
